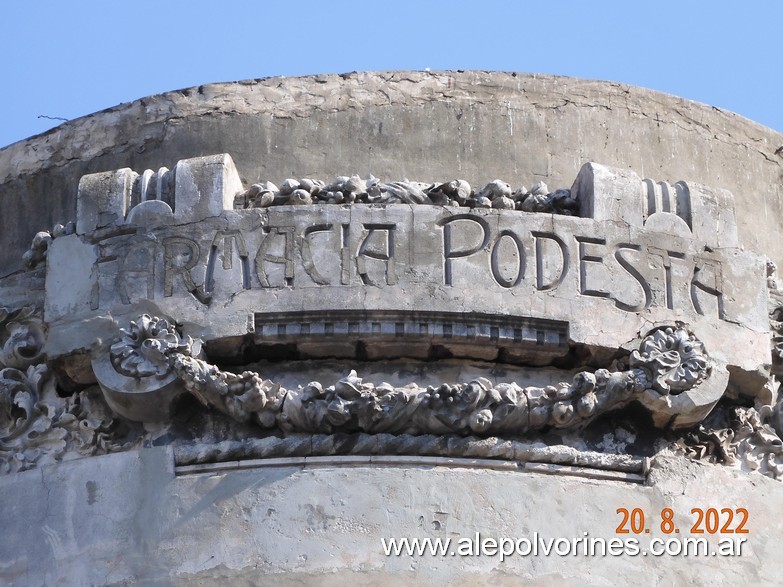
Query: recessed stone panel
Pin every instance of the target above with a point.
(610, 276)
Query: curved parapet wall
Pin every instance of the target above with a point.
(274, 377)
(473, 125)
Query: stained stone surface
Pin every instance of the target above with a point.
(129, 519)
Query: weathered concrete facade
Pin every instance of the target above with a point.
(127, 519)
(206, 376)
(474, 125)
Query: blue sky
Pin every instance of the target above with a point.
(70, 58)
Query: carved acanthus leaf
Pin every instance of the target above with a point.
(39, 427)
(749, 443)
(756, 444)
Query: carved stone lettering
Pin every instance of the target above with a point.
(382, 251)
(345, 254)
(517, 258)
(450, 253)
(584, 258)
(632, 276)
(264, 255)
(136, 276)
(544, 282)
(707, 278)
(667, 257)
(223, 246)
(307, 253)
(645, 287)
(180, 256)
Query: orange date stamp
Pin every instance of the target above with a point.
(703, 521)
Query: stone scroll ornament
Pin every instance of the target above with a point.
(37, 426)
(151, 364)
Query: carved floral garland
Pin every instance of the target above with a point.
(670, 359)
(37, 426)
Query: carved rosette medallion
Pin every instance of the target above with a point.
(143, 347)
(136, 375)
(686, 384)
(676, 359)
